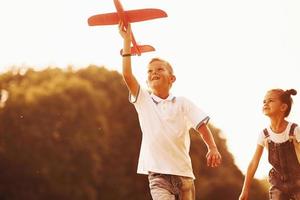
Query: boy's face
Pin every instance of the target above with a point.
(272, 105)
(159, 75)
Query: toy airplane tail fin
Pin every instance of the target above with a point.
(140, 49)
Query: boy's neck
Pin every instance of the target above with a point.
(161, 94)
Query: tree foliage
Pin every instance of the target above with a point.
(68, 134)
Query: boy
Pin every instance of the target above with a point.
(165, 121)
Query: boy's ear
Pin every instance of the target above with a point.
(173, 78)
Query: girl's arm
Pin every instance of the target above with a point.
(250, 172)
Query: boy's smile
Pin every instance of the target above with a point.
(159, 76)
(155, 77)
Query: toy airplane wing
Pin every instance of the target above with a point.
(144, 14)
(138, 49)
(104, 19)
(131, 16)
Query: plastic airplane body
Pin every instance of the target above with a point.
(127, 17)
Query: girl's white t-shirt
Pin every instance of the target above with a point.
(278, 137)
(281, 137)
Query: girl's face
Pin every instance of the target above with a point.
(272, 105)
(159, 76)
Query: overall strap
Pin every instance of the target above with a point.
(266, 133)
(292, 130)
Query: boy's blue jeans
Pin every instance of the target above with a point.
(171, 187)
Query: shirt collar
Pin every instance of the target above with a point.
(157, 99)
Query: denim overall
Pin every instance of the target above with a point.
(285, 174)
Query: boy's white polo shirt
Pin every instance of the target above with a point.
(165, 125)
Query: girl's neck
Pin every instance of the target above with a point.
(278, 125)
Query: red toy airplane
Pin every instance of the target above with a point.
(128, 17)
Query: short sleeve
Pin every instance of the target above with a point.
(194, 114)
(261, 139)
(141, 100)
(133, 99)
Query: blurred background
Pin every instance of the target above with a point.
(67, 130)
(72, 134)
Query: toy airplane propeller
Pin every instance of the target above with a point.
(127, 17)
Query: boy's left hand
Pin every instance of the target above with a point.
(125, 32)
(213, 158)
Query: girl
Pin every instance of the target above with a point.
(281, 139)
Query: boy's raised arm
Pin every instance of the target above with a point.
(130, 80)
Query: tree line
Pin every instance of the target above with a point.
(72, 134)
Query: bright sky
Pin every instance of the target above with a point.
(226, 54)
